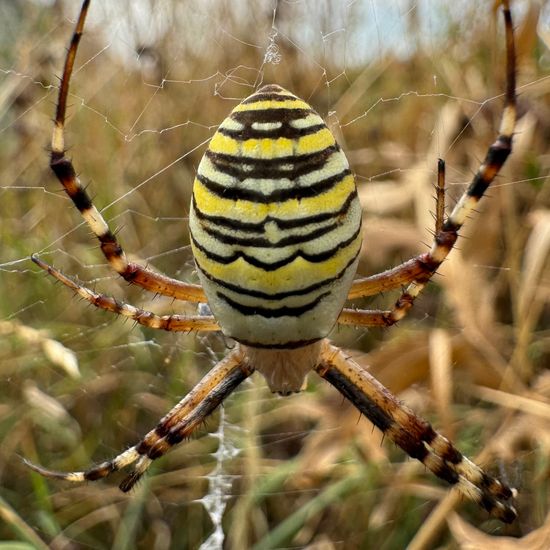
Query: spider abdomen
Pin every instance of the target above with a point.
(275, 223)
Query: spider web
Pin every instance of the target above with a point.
(400, 83)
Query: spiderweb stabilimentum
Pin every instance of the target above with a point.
(400, 83)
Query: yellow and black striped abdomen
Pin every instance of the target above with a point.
(275, 223)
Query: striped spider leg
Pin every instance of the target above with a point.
(172, 323)
(414, 272)
(413, 434)
(418, 271)
(177, 425)
(63, 168)
(275, 226)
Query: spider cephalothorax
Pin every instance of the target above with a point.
(275, 226)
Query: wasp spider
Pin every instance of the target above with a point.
(275, 225)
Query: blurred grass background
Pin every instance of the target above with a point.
(155, 80)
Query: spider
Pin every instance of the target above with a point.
(275, 226)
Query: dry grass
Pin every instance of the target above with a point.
(309, 471)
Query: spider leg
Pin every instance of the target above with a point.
(409, 271)
(412, 272)
(177, 425)
(171, 323)
(66, 174)
(419, 270)
(396, 277)
(413, 434)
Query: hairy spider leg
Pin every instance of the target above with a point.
(171, 323)
(63, 168)
(177, 425)
(418, 271)
(413, 434)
